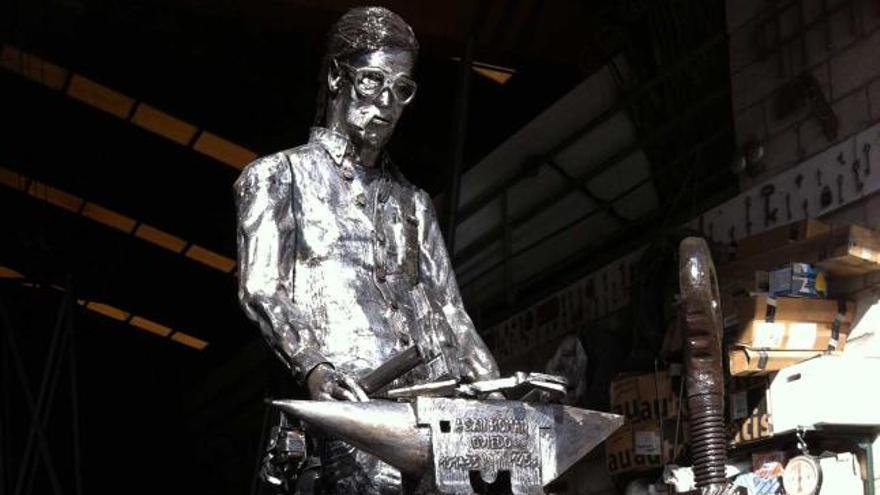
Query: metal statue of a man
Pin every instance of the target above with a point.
(341, 260)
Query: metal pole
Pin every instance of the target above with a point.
(459, 131)
(508, 248)
(74, 391)
(5, 417)
(29, 398)
(48, 374)
(459, 136)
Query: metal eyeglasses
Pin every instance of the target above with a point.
(369, 82)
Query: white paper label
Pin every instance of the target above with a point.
(647, 442)
(768, 335)
(801, 336)
(739, 407)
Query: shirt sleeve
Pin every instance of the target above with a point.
(437, 273)
(266, 237)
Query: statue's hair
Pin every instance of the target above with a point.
(358, 31)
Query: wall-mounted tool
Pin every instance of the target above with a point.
(857, 179)
(748, 215)
(769, 214)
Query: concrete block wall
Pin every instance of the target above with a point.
(774, 42)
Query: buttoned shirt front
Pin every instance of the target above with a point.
(345, 264)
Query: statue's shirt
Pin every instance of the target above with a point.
(344, 264)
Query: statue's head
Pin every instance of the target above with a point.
(367, 75)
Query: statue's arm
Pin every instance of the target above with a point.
(436, 271)
(266, 237)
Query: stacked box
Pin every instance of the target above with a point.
(644, 445)
(781, 237)
(749, 414)
(768, 334)
(644, 397)
(650, 403)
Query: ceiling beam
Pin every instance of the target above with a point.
(492, 236)
(475, 205)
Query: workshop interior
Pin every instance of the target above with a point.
(590, 247)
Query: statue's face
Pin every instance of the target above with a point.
(371, 92)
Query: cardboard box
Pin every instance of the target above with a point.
(793, 324)
(790, 309)
(749, 417)
(798, 280)
(644, 445)
(844, 251)
(792, 336)
(745, 361)
(643, 397)
(780, 237)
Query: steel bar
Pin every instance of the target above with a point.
(48, 373)
(460, 118)
(74, 392)
(507, 248)
(5, 417)
(29, 398)
(46, 410)
(578, 185)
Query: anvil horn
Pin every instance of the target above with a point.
(578, 431)
(385, 429)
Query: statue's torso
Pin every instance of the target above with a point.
(356, 258)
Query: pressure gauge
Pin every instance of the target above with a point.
(802, 476)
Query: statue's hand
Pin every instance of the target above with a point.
(326, 383)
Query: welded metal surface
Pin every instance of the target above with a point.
(455, 444)
(341, 260)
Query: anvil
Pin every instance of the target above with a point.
(453, 441)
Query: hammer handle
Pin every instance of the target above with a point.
(391, 370)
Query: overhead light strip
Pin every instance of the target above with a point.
(141, 114)
(496, 73)
(119, 315)
(113, 219)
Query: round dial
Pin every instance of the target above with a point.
(802, 476)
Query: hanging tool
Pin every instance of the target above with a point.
(769, 214)
(857, 180)
(748, 215)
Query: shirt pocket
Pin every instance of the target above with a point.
(398, 240)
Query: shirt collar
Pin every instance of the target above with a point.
(334, 142)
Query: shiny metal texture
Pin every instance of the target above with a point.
(700, 312)
(341, 261)
(332, 278)
(446, 442)
(515, 386)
